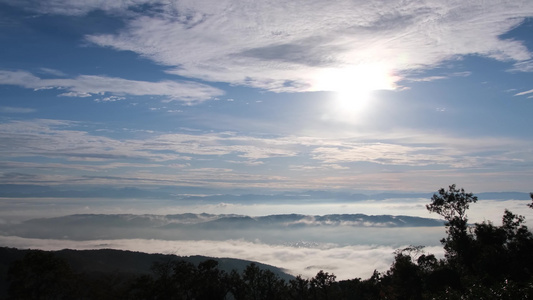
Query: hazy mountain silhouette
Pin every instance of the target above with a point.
(205, 226)
(211, 221)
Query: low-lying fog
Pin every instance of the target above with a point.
(345, 244)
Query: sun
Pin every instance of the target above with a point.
(353, 88)
(352, 100)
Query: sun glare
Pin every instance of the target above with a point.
(353, 88)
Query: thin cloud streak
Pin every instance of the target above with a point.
(16, 110)
(91, 85)
(177, 158)
(524, 93)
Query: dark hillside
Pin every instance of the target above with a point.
(106, 263)
(110, 260)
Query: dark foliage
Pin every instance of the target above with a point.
(40, 275)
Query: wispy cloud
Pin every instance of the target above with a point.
(290, 47)
(524, 93)
(55, 138)
(437, 77)
(53, 72)
(91, 85)
(16, 110)
(448, 152)
(110, 99)
(225, 41)
(226, 159)
(522, 66)
(76, 8)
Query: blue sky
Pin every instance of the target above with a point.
(226, 96)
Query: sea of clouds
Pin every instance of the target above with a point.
(346, 250)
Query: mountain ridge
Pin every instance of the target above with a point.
(189, 226)
(191, 219)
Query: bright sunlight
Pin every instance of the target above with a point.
(353, 87)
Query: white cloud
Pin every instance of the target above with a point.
(54, 138)
(247, 162)
(89, 85)
(428, 79)
(20, 78)
(251, 148)
(75, 94)
(226, 159)
(346, 262)
(294, 46)
(388, 154)
(110, 99)
(523, 66)
(438, 77)
(282, 46)
(75, 166)
(524, 93)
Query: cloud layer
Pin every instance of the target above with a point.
(346, 262)
(295, 46)
(84, 156)
(90, 85)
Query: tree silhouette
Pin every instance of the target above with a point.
(299, 288)
(452, 205)
(41, 275)
(263, 284)
(323, 285)
(210, 282)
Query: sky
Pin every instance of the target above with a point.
(262, 97)
(407, 95)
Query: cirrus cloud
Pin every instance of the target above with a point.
(90, 85)
(282, 46)
(229, 160)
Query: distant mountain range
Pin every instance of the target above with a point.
(184, 194)
(199, 226)
(226, 221)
